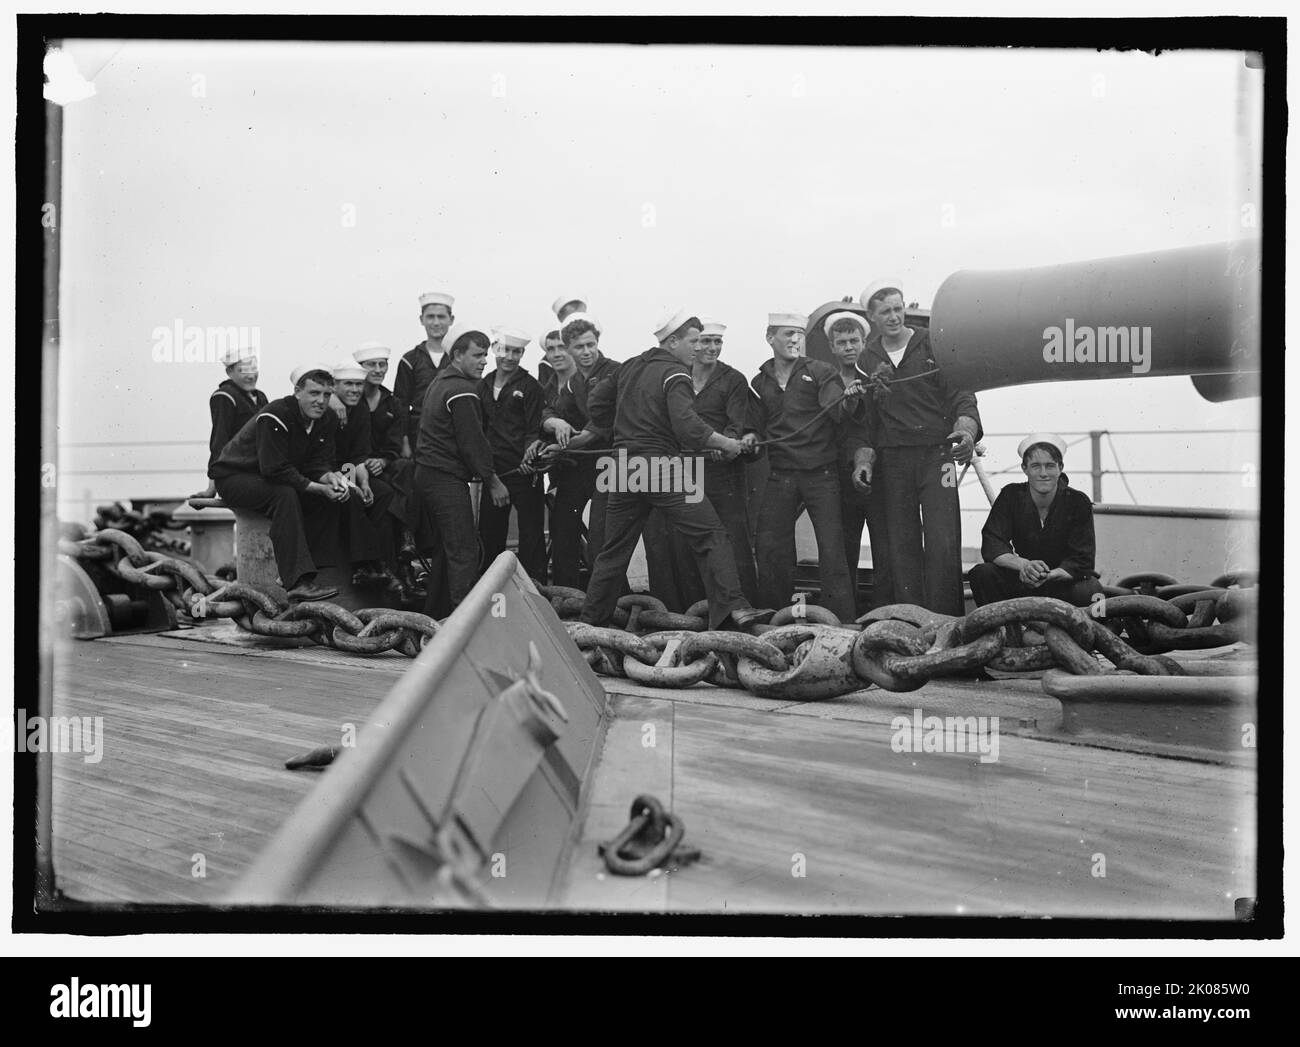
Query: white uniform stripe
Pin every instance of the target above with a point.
(222, 392)
(275, 419)
(672, 376)
(458, 396)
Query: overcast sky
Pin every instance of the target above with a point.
(313, 191)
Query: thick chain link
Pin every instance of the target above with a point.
(369, 631)
(901, 647)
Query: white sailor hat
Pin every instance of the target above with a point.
(671, 321)
(844, 314)
(510, 336)
(302, 369)
(871, 289)
(565, 299)
(236, 353)
(437, 298)
(1041, 438)
(372, 351)
(348, 370)
(712, 327)
(787, 320)
(541, 338)
(575, 317)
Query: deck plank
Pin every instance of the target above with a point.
(799, 814)
(194, 742)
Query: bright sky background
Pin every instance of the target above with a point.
(208, 183)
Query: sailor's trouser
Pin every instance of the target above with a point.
(529, 504)
(724, 487)
(698, 525)
(787, 493)
(574, 486)
(448, 507)
(990, 583)
(367, 530)
(304, 527)
(858, 508)
(923, 520)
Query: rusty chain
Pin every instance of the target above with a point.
(198, 595)
(805, 653)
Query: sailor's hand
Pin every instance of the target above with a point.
(563, 432)
(731, 448)
(367, 495)
(963, 446)
(855, 388)
(1034, 573)
(862, 478)
(1057, 574)
(750, 442)
(374, 466)
(339, 408)
(500, 494)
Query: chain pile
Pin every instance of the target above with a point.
(805, 653)
(193, 593)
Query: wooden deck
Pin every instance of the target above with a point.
(798, 807)
(195, 739)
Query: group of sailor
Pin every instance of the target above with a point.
(349, 472)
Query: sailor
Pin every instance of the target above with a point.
(923, 428)
(232, 405)
(556, 366)
(576, 483)
(846, 334)
(451, 451)
(721, 400)
(800, 409)
(563, 307)
(1039, 538)
(648, 409)
(367, 529)
(281, 464)
(390, 455)
(512, 406)
(419, 366)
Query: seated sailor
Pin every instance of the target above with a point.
(1038, 539)
(367, 530)
(234, 402)
(281, 463)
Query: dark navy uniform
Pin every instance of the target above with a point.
(859, 508)
(723, 403)
(1065, 538)
(576, 484)
(388, 421)
(650, 409)
(231, 408)
(915, 473)
(367, 530)
(804, 474)
(513, 417)
(267, 467)
(452, 449)
(415, 372)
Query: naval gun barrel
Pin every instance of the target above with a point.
(1193, 311)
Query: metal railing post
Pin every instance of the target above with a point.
(1095, 436)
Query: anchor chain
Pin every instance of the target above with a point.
(901, 647)
(369, 631)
